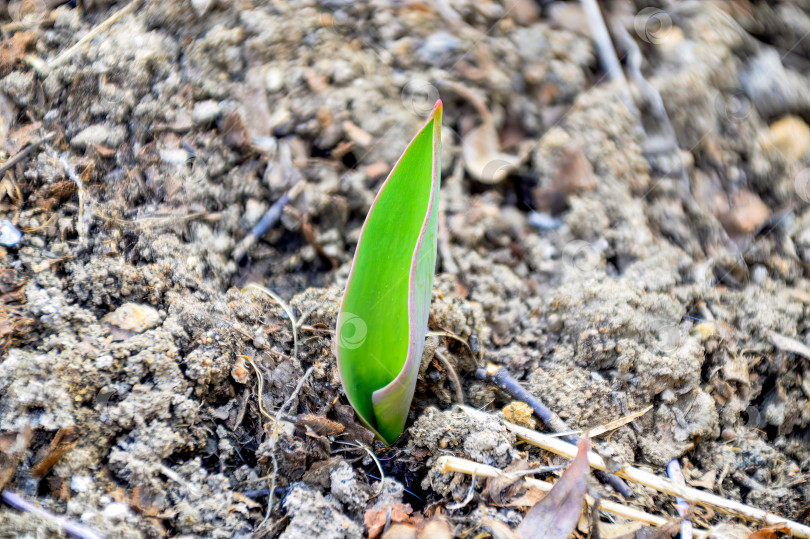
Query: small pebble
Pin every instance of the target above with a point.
(205, 112)
(116, 511)
(134, 317)
(201, 7)
(543, 221)
(759, 274)
(10, 235)
(274, 79)
(80, 483)
(102, 362)
(99, 135)
(176, 156)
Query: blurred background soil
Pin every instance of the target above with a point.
(609, 259)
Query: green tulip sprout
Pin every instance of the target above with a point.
(383, 318)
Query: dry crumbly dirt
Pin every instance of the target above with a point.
(174, 130)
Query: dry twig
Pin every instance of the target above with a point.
(449, 464)
(451, 372)
(661, 484)
(22, 154)
(73, 528)
(287, 310)
(503, 379)
(89, 36)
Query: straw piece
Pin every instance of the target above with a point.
(692, 495)
(450, 464)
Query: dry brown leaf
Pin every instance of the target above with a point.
(13, 49)
(437, 528)
(319, 425)
(354, 430)
(400, 531)
(770, 532)
(502, 488)
(482, 158)
(499, 530)
(531, 497)
(375, 519)
(557, 515)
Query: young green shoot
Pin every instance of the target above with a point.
(383, 317)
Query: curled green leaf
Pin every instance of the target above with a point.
(383, 317)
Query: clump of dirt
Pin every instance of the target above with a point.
(436, 432)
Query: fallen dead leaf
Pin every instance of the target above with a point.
(770, 532)
(375, 519)
(319, 425)
(502, 488)
(574, 174)
(745, 213)
(437, 528)
(556, 516)
(480, 146)
(498, 529)
(354, 430)
(400, 531)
